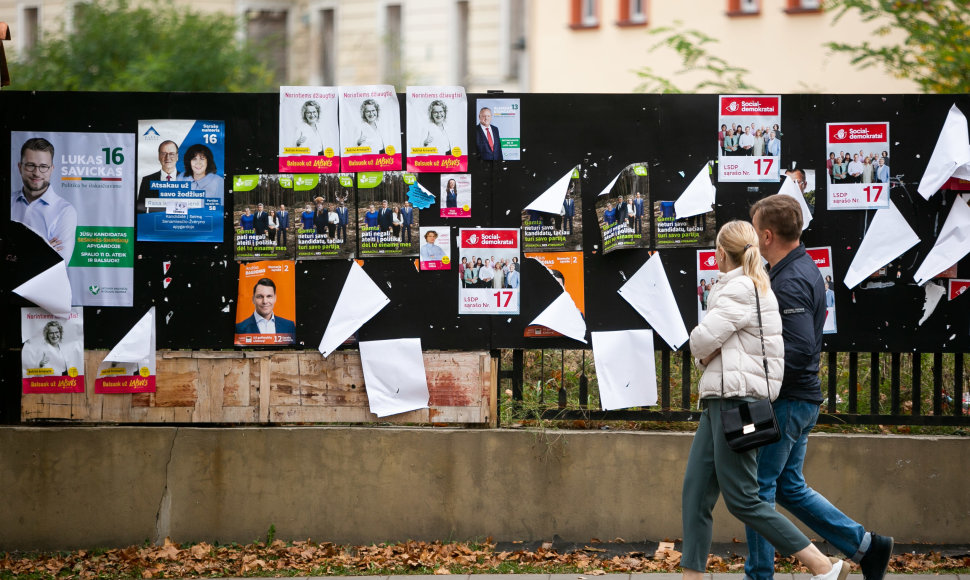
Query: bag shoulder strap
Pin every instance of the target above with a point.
(761, 333)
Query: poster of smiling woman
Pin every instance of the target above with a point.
(309, 135)
(370, 128)
(437, 129)
(52, 359)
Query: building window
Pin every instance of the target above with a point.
(266, 30)
(514, 56)
(632, 13)
(29, 28)
(803, 6)
(461, 42)
(393, 45)
(584, 14)
(744, 7)
(328, 47)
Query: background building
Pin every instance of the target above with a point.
(522, 45)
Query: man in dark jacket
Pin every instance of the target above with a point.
(800, 291)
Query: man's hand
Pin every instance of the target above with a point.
(707, 360)
(56, 243)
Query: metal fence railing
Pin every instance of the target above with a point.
(860, 388)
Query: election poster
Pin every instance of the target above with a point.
(82, 185)
(956, 288)
(621, 210)
(485, 252)
(749, 138)
(52, 359)
(553, 221)
(437, 129)
(370, 128)
(266, 305)
(435, 248)
(857, 165)
(181, 176)
(456, 195)
(823, 259)
(387, 221)
(497, 134)
(130, 366)
(567, 269)
(707, 276)
(697, 231)
(294, 216)
(309, 133)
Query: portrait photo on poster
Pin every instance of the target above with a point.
(76, 191)
(437, 129)
(266, 306)
(52, 358)
(181, 180)
(435, 248)
(370, 129)
(497, 132)
(388, 222)
(456, 195)
(857, 165)
(749, 138)
(489, 268)
(309, 134)
(621, 210)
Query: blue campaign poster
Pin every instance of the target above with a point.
(181, 180)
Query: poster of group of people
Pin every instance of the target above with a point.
(304, 216)
(181, 173)
(488, 270)
(749, 138)
(695, 231)
(309, 133)
(621, 207)
(857, 165)
(560, 228)
(708, 275)
(266, 304)
(387, 221)
(74, 190)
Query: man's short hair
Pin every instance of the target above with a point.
(264, 282)
(162, 144)
(36, 144)
(800, 172)
(781, 214)
(484, 109)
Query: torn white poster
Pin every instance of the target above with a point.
(649, 292)
(698, 198)
(562, 316)
(360, 299)
(51, 290)
(888, 236)
(951, 156)
(625, 368)
(933, 294)
(951, 245)
(394, 375)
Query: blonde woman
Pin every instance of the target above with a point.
(729, 348)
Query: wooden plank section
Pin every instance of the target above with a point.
(273, 387)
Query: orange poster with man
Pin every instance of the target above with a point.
(266, 307)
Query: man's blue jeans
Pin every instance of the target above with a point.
(780, 479)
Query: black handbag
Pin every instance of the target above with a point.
(753, 424)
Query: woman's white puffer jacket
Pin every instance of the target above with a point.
(731, 324)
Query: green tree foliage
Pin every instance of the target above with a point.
(935, 52)
(689, 45)
(156, 46)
